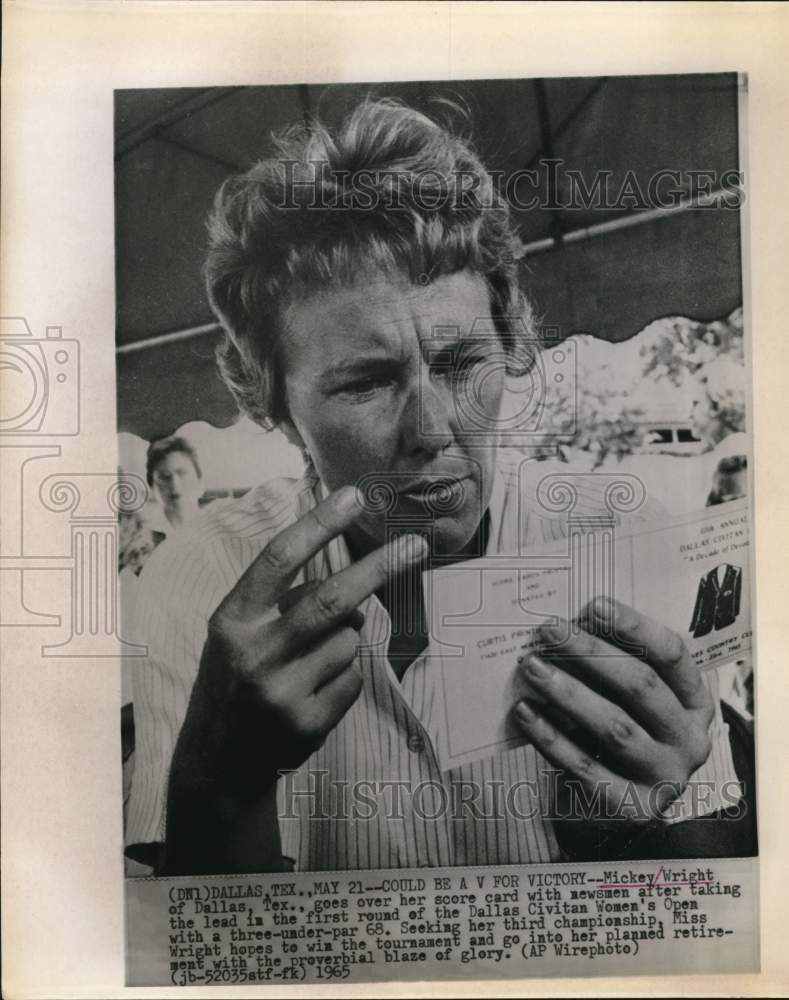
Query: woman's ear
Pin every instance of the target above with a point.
(293, 436)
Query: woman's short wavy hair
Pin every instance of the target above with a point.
(389, 188)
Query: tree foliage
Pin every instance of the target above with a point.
(608, 411)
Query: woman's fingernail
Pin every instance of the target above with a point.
(538, 669)
(603, 609)
(525, 711)
(532, 692)
(554, 632)
(413, 547)
(348, 500)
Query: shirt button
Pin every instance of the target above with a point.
(415, 743)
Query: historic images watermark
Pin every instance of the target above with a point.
(548, 796)
(551, 184)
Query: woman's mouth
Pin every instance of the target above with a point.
(439, 496)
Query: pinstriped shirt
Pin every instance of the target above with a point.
(373, 796)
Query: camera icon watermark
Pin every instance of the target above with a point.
(40, 400)
(40, 381)
(508, 387)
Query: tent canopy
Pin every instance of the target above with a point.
(174, 147)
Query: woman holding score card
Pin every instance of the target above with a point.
(368, 282)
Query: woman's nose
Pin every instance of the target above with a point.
(429, 416)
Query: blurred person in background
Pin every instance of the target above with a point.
(719, 404)
(173, 470)
(730, 480)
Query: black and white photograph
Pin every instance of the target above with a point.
(439, 394)
(392, 519)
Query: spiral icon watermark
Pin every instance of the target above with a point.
(408, 498)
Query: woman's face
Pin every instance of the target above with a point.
(396, 388)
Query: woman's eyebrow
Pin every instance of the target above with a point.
(356, 366)
(443, 345)
(456, 344)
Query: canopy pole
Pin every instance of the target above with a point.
(625, 222)
(168, 338)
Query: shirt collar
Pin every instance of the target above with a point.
(498, 509)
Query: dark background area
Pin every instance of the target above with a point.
(174, 147)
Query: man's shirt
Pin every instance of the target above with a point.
(373, 795)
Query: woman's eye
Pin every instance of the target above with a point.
(465, 367)
(365, 386)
